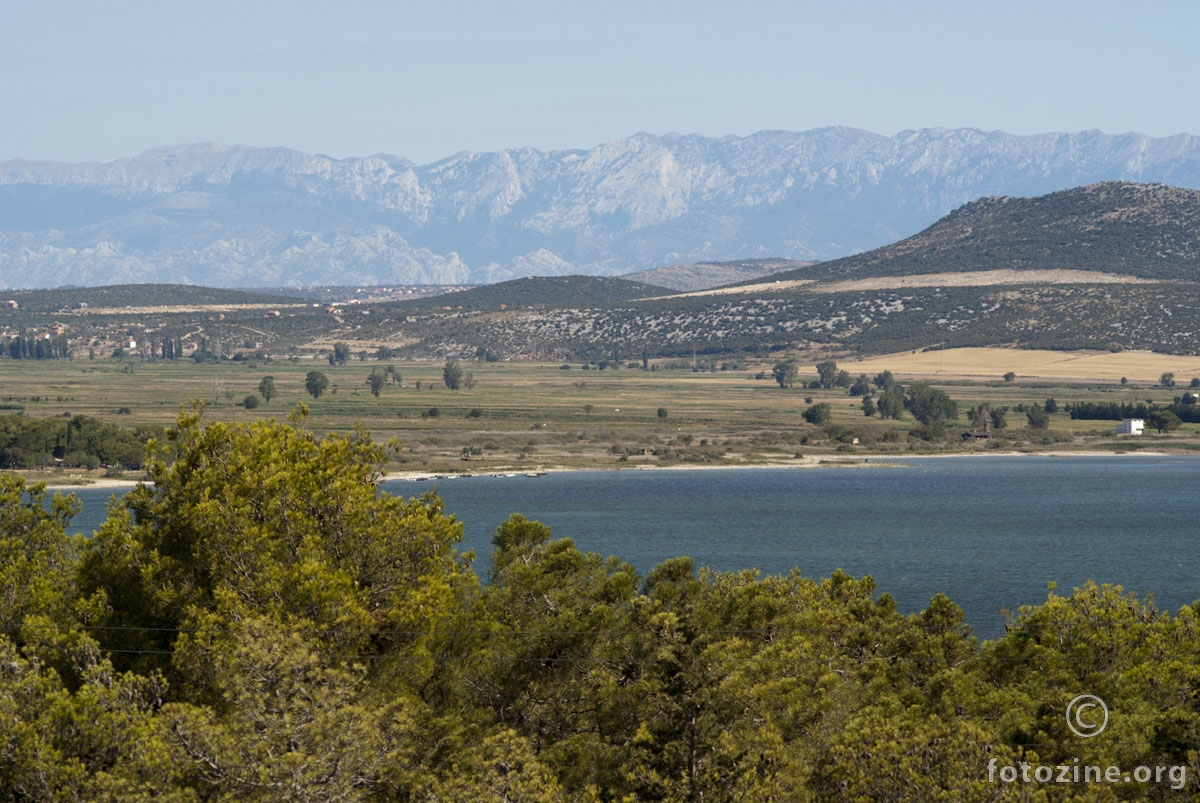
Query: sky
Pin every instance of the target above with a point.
(86, 80)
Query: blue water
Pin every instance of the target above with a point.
(990, 532)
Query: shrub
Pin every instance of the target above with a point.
(819, 414)
(928, 432)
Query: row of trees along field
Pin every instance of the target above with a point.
(884, 396)
(262, 624)
(38, 348)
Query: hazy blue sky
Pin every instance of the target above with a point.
(100, 80)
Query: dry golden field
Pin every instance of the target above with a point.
(989, 364)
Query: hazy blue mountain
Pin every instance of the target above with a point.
(242, 216)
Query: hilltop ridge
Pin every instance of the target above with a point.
(1149, 231)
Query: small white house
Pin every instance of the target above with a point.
(1131, 426)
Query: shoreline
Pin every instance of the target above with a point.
(808, 462)
(81, 484)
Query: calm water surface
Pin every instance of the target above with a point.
(990, 532)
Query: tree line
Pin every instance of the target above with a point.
(261, 623)
(38, 348)
(1164, 417)
(78, 441)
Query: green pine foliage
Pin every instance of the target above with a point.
(262, 623)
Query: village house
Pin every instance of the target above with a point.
(1131, 426)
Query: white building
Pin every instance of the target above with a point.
(1131, 426)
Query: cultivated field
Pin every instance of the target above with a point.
(985, 364)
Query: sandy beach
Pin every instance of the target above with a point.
(835, 460)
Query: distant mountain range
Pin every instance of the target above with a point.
(243, 217)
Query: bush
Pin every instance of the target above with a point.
(928, 432)
(662, 412)
(250, 402)
(819, 414)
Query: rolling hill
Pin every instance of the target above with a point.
(1148, 231)
(707, 275)
(1113, 266)
(542, 292)
(141, 295)
(1106, 266)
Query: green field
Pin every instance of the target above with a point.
(528, 415)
